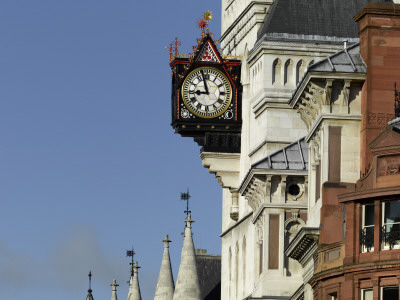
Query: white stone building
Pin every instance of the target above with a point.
(268, 187)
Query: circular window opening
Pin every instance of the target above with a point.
(294, 190)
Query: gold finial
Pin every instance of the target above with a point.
(173, 48)
(208, 15)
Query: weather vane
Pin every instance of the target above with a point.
(90, 282)
(186, 197)
(131, 253)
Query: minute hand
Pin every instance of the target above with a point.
(205, 83)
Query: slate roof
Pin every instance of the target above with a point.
(332, 18)
(346, 61)
(291, 157)
(209, 271)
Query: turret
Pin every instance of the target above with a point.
(187, 284)
(134, 289)
(165, 285)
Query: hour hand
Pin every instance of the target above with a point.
(205, 82)
(198, 92)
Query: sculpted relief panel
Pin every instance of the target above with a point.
(388, 165)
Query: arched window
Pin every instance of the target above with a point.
(288, 72)
(237, 270)
(230, 273)
(276, 71)
(300, 69)
(243, 266)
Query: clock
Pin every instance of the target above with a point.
(206, 92)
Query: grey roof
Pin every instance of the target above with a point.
(291, 157)
(332, 18)
(209, 271)
(347, 61)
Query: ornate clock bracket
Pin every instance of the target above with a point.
(206, 97)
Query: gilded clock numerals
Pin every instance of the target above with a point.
(207, 92)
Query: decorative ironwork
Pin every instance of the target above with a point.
(367, 238)
(173, 48)
(90, 281)
(131, 253)
(392, 237)
(396, 102)
(186, 197)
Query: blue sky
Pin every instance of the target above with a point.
(89, 165)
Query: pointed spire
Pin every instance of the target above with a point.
(187, 284)
(134, 289)
(114, 290)
(165, 284)
(89, 295)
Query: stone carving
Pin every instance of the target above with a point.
(255, 193)
(389, 165)
(259, 229)
(376, 120)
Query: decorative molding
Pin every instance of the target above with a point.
(376, 120)
(244, 23)
(255, 193)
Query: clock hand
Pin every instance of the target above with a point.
(205, 83)
(198, 92)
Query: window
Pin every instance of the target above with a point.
(276, 71)
(367, 231)
(389, 292)
(390, 234)
(333, 296)
(367, 294)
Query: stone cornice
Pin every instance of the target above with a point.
(388, 9)
(302, 86)
(303, 245)
(291, 47)
(278, 206)
(225, 167)
(264, 172)
(329, 117)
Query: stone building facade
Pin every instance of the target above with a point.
(317, 91)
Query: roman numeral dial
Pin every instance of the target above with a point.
(207, 92)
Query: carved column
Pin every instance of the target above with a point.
(268, 188)
(282, 197)
(234, 211)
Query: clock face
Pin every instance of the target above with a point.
(207, 92)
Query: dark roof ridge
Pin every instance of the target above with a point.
(276, 152)
(333, 55)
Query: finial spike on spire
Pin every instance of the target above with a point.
(187, 283)
(165, 284)
(134, 289)
(166, 241)
(114, 290)
(90, 280)
(189, 221)
(89, 295)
